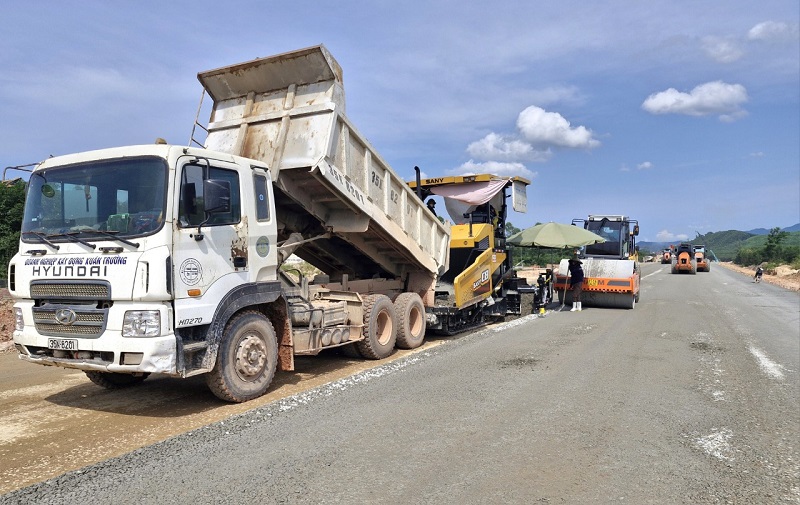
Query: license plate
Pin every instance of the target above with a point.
(62, 344)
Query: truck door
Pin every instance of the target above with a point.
(209, 256)
(262, 251)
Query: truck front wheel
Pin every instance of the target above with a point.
(247, 358)
(380, 327)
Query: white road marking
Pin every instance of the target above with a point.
(717, 444)
(648, 275)
(767, 366)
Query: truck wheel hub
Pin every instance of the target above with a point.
(251, 357)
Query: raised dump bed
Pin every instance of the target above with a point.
(355, 214)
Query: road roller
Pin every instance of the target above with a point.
(612, 275)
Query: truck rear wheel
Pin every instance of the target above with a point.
(247, 358)
(380, 327)
(410, 313)
(114, 380)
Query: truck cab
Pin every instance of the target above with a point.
(128, 255)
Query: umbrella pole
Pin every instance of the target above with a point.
(564, 298)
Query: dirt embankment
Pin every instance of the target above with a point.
(6, 320)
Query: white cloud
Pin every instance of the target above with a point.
(493, 167)
(723, 50)
(666, 236)
(711, 98)
(758, 154)
(540, 127)
(500, 148)
(644, 165)
(773, 30)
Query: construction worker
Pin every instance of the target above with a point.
(576, 282)
(432, 206)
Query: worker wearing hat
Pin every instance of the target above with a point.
(432, 206)
(576, 282)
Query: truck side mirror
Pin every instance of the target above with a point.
(636, 230)
(216, 196)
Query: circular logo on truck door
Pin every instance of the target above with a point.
(262, 246)
(191, 271)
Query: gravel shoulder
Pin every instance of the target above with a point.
(782, 276)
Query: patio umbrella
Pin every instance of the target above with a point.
(555, 235)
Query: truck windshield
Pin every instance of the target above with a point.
(122, 198)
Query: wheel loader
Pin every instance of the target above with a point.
(684, 260)
(612, 275)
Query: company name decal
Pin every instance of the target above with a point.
(484, 279)
(92, 266)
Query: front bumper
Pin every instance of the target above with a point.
(105, 354)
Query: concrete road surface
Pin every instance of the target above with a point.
(692, 397)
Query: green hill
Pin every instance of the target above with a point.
(726, 244)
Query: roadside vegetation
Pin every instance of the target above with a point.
(12, 202)
(777, 248)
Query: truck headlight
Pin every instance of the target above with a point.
(141, 323)
(19, 324)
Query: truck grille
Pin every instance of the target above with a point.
(89, 322)
(71, 290)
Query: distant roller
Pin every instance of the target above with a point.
(684, 261)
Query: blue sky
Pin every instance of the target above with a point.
(684, 115)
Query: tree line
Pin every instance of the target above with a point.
(774, 252)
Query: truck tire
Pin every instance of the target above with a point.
(114, 380)
(380, 327)
(410, 314)
(247, 358)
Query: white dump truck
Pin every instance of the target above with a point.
(167, 259)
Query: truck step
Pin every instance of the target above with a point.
(195, 346)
